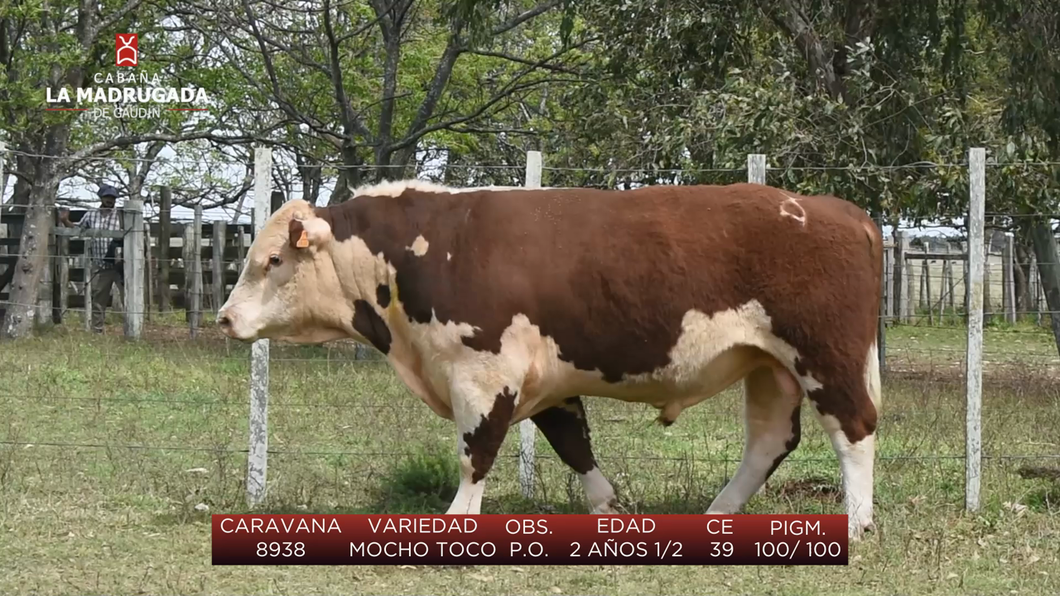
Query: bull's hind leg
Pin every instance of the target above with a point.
(567, 430)
(771, 416)
(847, 408)
(482, 421)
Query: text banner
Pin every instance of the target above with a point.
(529, 539)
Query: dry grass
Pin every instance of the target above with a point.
(109, 446)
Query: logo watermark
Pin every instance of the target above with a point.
(126, 49)
(126, 94)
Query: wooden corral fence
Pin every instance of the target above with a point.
(927, 283)
(176, 276)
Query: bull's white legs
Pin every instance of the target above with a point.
(856, 468)
(482, 420)
(856, 460)
(771, 416)
(599, 491)
(468, 499)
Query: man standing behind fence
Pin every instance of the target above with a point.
(102, 252)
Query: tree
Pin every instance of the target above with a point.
(1028, 33)
(65, 44)
(371, 80)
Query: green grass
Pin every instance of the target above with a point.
(110, 445)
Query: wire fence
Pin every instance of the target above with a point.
(338, 418)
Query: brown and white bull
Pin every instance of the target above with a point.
(497, 305)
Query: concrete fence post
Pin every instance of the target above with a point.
(258, 453)
(527, 431)
(973, 366)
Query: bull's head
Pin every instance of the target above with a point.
(288, 288)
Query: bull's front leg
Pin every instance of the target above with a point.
(483, 415)
(567, 430)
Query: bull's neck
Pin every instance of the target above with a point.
(365, 246)
(360, 231)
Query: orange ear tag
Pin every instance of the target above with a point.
(303, 240)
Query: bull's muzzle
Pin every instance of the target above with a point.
(224, 322)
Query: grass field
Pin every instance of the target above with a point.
(111, 451)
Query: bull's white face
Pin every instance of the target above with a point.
(288, 289)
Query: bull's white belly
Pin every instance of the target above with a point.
(712, 353)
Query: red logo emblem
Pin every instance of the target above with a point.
(126, 49)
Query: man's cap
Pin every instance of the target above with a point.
(106, 190)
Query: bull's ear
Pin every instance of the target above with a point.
(298, 236)
(305, 233)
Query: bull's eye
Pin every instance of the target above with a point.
(274, 261)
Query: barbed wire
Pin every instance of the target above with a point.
(549, 456)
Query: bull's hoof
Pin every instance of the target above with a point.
(857, 531)
(612, 507)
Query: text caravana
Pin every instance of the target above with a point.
(148, 90)
(257, 525)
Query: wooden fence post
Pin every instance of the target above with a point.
(926, 298)
(1035, 288)
(86, 262)
(258, 453)
(217, 267)
(988, 309)
(910, 303)
(275, 201)
(974, 363)
(194, 269)
(920, 292)
(149, 272)
(901, 272)
(1008, 278)
(60, 292)
(888, 284)
(165, 235)
(187, 238)
(950, 283)
(241, 248)
(132, 254)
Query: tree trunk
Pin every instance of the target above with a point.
(32, 254)
(20, 194)
(350, 177)
(1045, 248)
(311, 176)
(33, 248)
